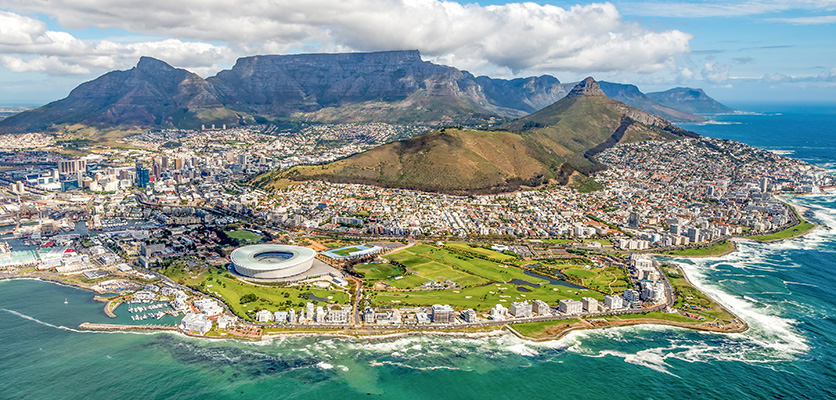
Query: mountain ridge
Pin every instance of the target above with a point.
(391, 86)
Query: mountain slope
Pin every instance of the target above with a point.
(630, 95)
(690, 100)
(151, 94)
(388, 86)
(554, 145)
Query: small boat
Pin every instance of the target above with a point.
(65, 300)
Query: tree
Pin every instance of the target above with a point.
(248, 298)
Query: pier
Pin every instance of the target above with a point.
(90, 326)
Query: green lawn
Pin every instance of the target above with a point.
(791, 232)
(378, 271)
(493, 255)
(720, 248)
(432, 263)
(346, 251)
(484, 268)
(244, 237)
(481, 298)
(437, 272)
(604, 279)
(229, 289)
(580, 273)
(676, 317)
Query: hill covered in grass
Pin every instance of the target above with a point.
(555, 145)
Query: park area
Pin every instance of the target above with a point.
(378, 271)
(610, 279)
(428, 263)
(479, 251)
(482, 298)
(691, 299)
(244, 298)
(242, 236)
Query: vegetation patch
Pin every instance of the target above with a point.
(242, 236)
(378, 271)
(243, 298)
(717, 249)
(481, 298)
(791, 232)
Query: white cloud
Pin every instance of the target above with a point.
(708, 9)
(27, 45)
(715, 72)
(825, 77)
(521, 37)
(820, 20)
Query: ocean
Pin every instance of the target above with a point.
(785, 291)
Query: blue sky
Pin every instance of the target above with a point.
(763, 50)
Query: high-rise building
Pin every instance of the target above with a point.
(442, 314)
(694, 235)
(614, 302)
(631, 295)
(590, 304)
(764, 184)
(568, 306)
(541, 308)
(143, 176)
(71, 166)
(520, 309)
(469, 315)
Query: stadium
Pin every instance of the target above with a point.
(272, 261)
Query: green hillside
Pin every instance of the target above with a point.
(553, 146)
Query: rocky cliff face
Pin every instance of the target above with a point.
(389, 86)
(309, 82)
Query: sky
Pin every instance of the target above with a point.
(738, 51)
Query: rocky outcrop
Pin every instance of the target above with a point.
(587, 87)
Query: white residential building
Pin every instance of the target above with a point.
(568, 306)
(196, 323)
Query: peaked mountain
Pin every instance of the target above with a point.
(690, 100)
(151, 94)
(555, 145)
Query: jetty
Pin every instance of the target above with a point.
(90, 326)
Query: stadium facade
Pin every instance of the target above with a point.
(272, 261)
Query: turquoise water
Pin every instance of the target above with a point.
(785, 291)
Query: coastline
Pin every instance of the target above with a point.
(501, 330)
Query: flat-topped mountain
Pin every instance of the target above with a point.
(690, 100)
(389, 86)
(555, 145)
